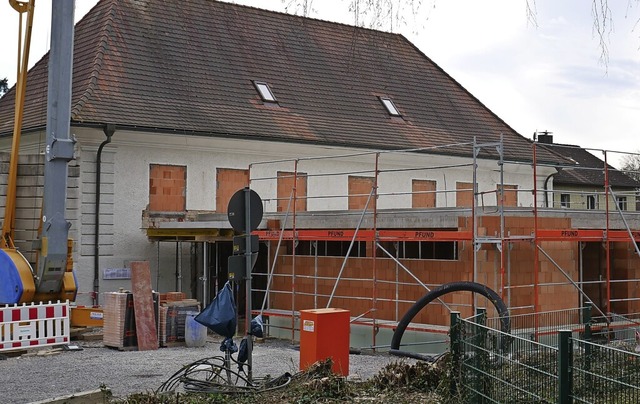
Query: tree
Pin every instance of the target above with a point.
(391, 14)
(377, 14)
(4, 86)
(631, 165)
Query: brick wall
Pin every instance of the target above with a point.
(624, 266)
(396, 290)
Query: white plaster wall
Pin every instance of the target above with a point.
(126, 188)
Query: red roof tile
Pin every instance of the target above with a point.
(188, 66)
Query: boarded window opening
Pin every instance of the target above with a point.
(510, 195)
(286, 181)
(228, 182)
(464, 194)
(359, 191)
(167, 188)
(423, 194)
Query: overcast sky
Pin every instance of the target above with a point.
(545, 77)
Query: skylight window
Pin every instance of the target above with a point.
(265, 91)
(390, 106)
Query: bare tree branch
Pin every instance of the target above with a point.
(295, 6)
(392, 14)
(387, 14)
(4, 86)
(532, 13)
(602, 27)
(631, 165)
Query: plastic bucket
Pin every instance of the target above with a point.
(195, 334)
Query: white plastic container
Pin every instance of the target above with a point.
(195, 334)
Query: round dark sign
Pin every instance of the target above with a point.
(237, 211)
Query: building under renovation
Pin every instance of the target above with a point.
(380, 176)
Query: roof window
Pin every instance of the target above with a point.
(390, 106)
(265, 91)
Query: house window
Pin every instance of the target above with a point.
(592, 202)
(390, 106)
(167, 188)
(565, 200)
(423, 194)
(286, 181)
(228, 182)
(265, 91)
(621, 201)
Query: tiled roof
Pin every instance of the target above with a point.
(587, 168)
(188, 67)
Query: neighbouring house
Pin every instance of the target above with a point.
(581, 184)
(379, 173)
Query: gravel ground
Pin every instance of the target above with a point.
(31, 377)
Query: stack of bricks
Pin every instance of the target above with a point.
(119, 326)
(174, 307)
(115, 313)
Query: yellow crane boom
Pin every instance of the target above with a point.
(54, 279)
(8, 225)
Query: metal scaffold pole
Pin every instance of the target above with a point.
(536, 255)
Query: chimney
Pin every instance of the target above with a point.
(545, 137)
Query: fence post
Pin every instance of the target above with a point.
(565, 359)
(455, 336)
(586, 320)
(480, 355)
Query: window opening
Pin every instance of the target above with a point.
(565, 200)
(265, 91)
(621, 201)
(592, 202)
(167, 188)
(428, 250)
(390, 106)
(328, 248)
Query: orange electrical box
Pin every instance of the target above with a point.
(82, 316)
(324, 333)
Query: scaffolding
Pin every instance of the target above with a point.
(381, 248)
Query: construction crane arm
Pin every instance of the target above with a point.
(8, 225)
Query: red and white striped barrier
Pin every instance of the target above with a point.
(35, 325)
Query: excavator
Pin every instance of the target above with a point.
(53, 278)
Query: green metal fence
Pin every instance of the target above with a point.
(605, 374)
(501, 368)
(544, 326)
(494, 367)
